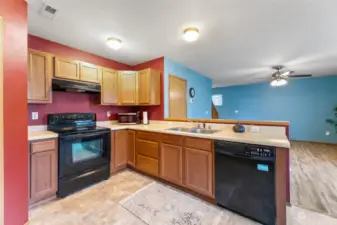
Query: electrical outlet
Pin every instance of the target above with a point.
(327, 133)
(108, 114)
(255, 129)
(35, 115)
(236, 111)
(206, 112)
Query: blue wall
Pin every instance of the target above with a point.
(202, 107)
(306, 103)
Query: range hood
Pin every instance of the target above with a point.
(75, 86)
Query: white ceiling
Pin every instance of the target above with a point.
(239, 39)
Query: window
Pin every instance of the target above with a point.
(217, 100)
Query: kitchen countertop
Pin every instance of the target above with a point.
(39, 135)
(224, 134)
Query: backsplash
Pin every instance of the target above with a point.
(70, 102)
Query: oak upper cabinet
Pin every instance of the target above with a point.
(131, 148)
(43, 170)
(127, 88)
(40, 69)
(148, 87)
(171, 163)
(199, 171)
(121, 149)
(109, 87)
(67, 68)
(90, 72)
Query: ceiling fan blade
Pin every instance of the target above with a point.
(299, 75)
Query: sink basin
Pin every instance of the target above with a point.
(193, 130)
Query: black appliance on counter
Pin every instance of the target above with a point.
(245, 180)
(83, 151)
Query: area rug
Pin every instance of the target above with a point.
(158, 204)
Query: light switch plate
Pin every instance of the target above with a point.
(327, 133)
(108, 114)
(35, 115)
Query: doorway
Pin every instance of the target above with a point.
(177, 97)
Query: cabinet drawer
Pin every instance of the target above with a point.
(148, 136)
(41, 146)
(198, 143)
(147, 148)
(147, 165)
(171, 139)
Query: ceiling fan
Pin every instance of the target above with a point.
(281, 76)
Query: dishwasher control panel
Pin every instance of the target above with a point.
(259, 151)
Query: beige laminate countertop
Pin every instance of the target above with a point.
(39, 135)
(223, 134)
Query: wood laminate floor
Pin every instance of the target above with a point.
(116, 202)
(313, 180)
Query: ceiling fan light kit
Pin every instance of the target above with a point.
(279, 78)
(278, 82)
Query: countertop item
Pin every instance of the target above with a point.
(226, 134)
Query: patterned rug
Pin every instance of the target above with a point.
(160, 204)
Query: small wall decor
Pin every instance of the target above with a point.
(192, 92)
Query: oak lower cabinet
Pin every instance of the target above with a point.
(199, 171)
(40, 72)
(171, 163)
(43, 162)
(120, 149)
(131, 148)
(147, 153)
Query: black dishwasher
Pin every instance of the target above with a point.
(245, 180)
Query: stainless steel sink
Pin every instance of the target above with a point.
(193, 130)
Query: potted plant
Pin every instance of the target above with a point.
(333, 121)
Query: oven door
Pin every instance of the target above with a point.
(83, 152)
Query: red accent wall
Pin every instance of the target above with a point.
(73, 102)
(155, 112)
(14, 13)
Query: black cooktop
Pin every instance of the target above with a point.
(73, 123)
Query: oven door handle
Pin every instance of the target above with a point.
(81, 136)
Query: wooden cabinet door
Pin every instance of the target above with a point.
(90, 72)
(144, 87)
(40, 71)
(67, 69)
(121, 149)
(43, 175)
(127, 86)
(109, 87)
(131, 148)
(199, 171)
(171, 163)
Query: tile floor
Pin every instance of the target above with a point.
(109, 203)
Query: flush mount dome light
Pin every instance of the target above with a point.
(114, 43)
(191, 34)
(278, 82)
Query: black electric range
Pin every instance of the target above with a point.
(83, 151)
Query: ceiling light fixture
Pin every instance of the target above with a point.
(278, 82)
(114, 43)
(191, 34)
